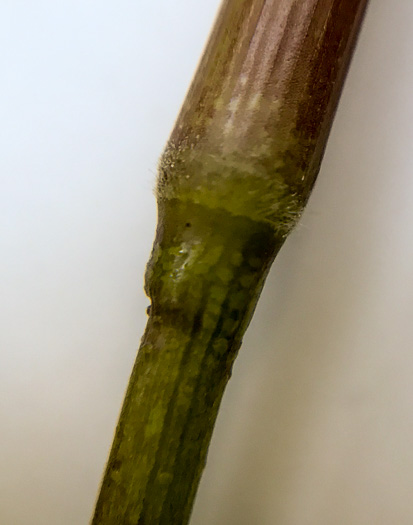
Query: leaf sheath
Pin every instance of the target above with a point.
(235, 175)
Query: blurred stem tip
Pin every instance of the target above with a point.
(234, 178)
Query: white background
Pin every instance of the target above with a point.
(316, 427)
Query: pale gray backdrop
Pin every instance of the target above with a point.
(316, 426)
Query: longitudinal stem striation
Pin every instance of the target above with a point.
(234, 178)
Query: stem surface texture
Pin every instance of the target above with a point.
(233, 180)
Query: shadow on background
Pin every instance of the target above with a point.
(316, 423)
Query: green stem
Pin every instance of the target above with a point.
(208, 270)
(234, 178)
